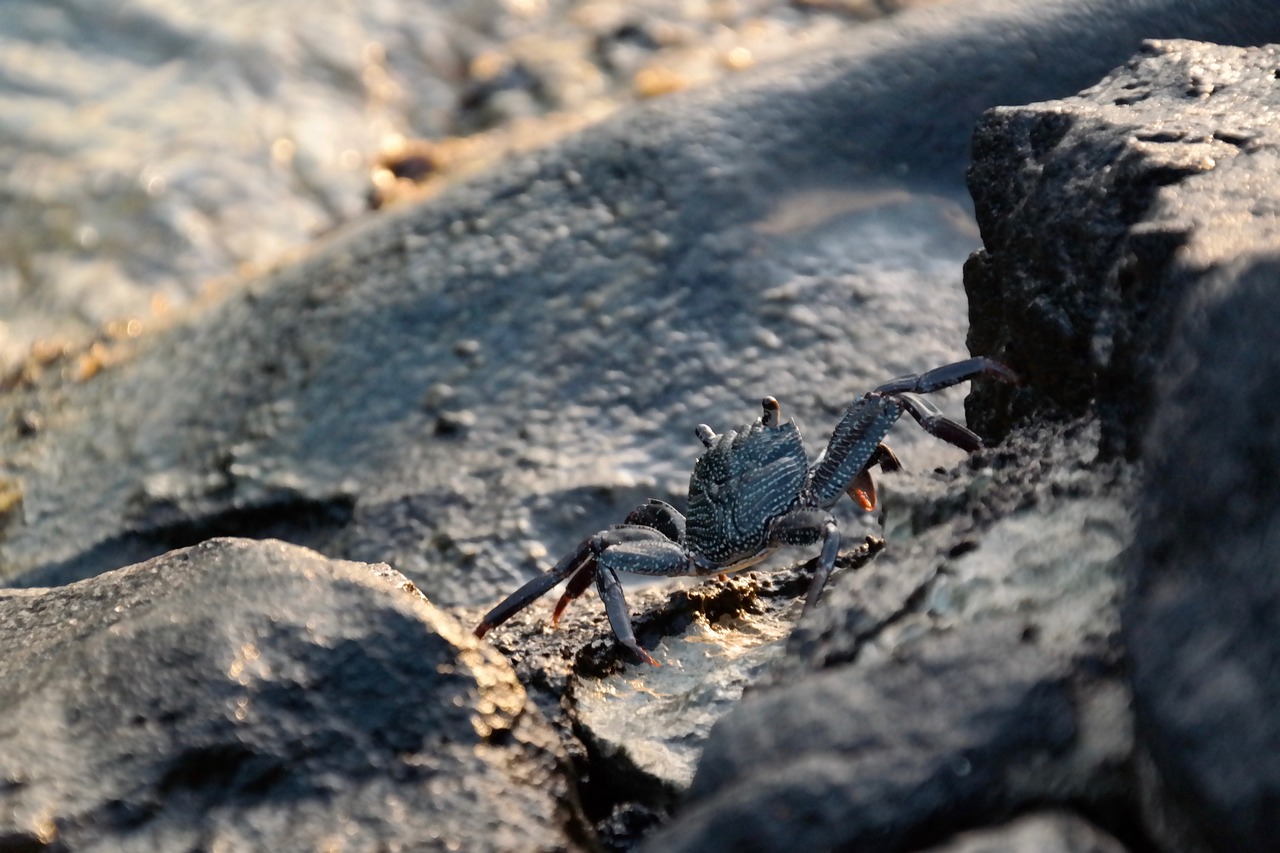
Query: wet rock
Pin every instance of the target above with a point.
(1052, 832)
(642, 728)
(254, 695)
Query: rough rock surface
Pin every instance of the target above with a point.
(257, 696)
(1203, 625)
(1017, 563)
(968, 672)
(1159, 185)
(1146, 180)
(464, 388)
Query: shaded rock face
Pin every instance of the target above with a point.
(1203, 624)
(1133, 238)
(254, 695)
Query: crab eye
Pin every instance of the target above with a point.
(772, 412)
(705, 434)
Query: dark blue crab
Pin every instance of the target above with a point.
(752, 492)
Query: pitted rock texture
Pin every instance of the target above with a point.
(254, 695)
(1133, 243)
(1101, 212)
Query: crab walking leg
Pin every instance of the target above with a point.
(804, 527)
(938, 425)
(579, 560)
(610, 590)
(577, 586)
(946, 376)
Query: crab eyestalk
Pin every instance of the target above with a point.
(772, 416)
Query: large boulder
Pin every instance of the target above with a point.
(987, 637)
(257, 696)
(1132, 246)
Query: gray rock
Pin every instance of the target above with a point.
(1143, 216)
(737, 226)
(254, 695)
(1051, 832)
(1202, 625)
(1095, 220)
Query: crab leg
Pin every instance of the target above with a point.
(804, 527)
(935, 423)
(580, 559)
(610, 590)
(659, 515)
(946, 376)
(577, 586)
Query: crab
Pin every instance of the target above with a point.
(753, 491)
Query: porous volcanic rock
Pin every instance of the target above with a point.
(1132, 250)
(1101, 212)
(257, 696)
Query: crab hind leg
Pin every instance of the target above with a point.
(580, 561)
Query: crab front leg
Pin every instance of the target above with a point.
(583, 559)
(856, 445)
(659, 515)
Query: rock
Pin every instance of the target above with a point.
(1202, 624)
(254, 695)
(1144, 215)
(466, 388)
(1052, 832)
(1095, 220)
(736, 225)
(174, 149)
